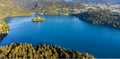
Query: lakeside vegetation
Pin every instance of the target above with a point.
(104, 17)
(4, 28)
(40, 51)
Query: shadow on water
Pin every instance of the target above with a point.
(7, 19)
(2, 36)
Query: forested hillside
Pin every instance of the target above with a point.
(40, 51)
(104, 17)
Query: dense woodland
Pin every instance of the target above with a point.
(40, 51)
(105, 17)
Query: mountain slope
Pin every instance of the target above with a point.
(8, 8)
(96, 1)
(52, 7)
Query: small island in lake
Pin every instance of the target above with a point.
(38, 19)
(104, 17)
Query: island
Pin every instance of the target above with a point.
(23, 51)
(38, 19)
(104, 17)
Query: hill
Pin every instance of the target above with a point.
(97, 1)
(8, 8)
(52, 7)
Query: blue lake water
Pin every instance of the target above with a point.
(65, 31)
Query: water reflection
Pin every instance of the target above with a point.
(38, 26)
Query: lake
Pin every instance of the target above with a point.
(65, 31)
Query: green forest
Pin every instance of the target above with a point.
(104, 17)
